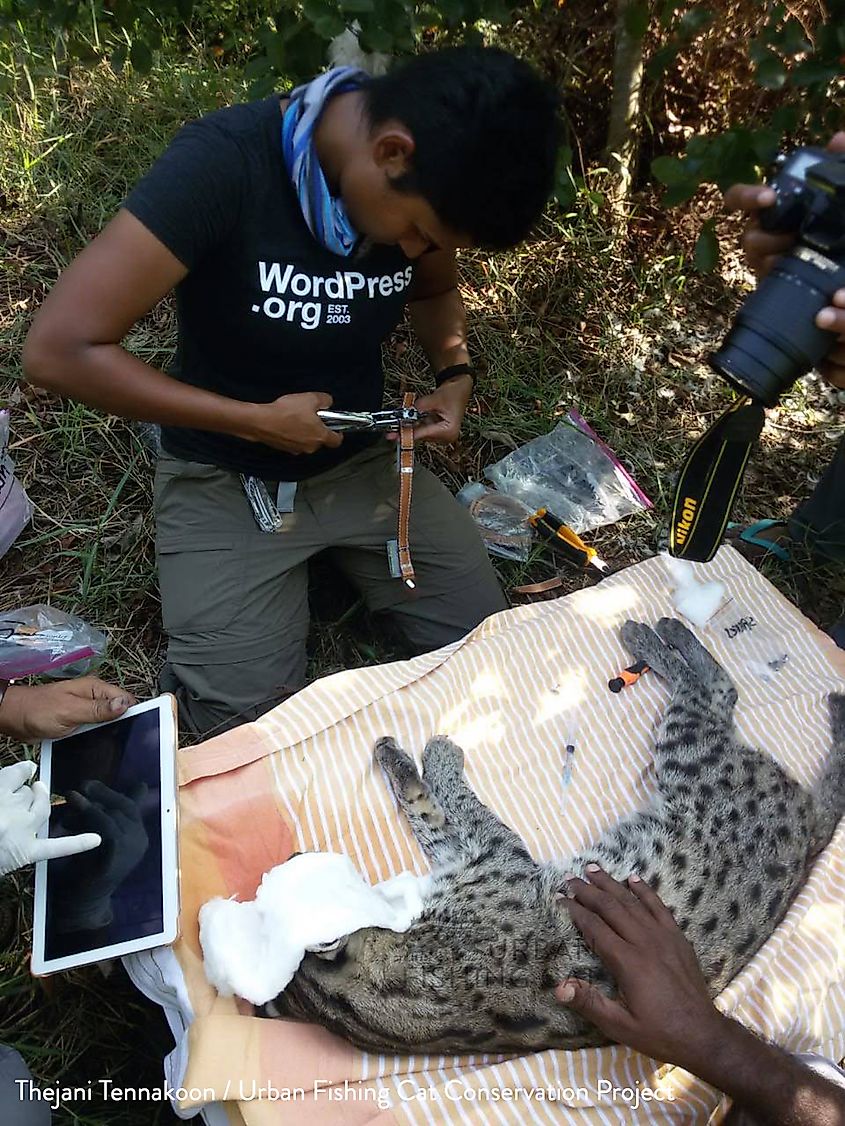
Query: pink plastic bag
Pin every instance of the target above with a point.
(44, 641)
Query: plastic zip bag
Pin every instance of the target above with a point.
(571, 472)
(501, 520)
(43, 641)
(15, 505)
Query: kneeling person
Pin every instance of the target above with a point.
(294, 231)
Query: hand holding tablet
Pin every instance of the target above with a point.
(118, 782)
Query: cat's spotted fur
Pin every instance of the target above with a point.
(725, 841)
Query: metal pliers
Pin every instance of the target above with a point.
(371, 420)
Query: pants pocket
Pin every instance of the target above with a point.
(203, 584)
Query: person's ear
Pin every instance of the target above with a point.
(392, 150)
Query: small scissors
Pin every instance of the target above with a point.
(371, 420)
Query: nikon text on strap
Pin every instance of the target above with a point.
(710, 479)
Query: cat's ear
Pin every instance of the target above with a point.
(329, 951)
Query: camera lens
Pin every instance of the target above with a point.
(774, 339)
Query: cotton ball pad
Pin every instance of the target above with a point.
(694, 600)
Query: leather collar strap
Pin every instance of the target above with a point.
(399, 550)
(537, 591)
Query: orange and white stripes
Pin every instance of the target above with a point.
(513, 694)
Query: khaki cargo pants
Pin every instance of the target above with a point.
(235, 599)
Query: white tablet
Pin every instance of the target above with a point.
(117, 779)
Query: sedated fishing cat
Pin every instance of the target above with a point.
(726, 841)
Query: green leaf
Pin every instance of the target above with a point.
(496, 11)
(274, 45)
(758, 49)
(694, 20)
(636, 18)
(257, 67)
(327, 27)
(813, 72)
(565, 189)
(141, 56)
(264, 86)
(667, 12)
(429, 16)
(117, 59)
(305, 52)
(287, 25)
(785, 119)
(355, 6)
(770, 73)
(124, 13)
(679, 193)
(706, 254)
(375, 39)
(698, 147)
(453, 11)
(669, 170)
(565, 193)
(314, 10)
(82, 51)
(663, 58)
(731, 159)
(791, 40)
(765, 144)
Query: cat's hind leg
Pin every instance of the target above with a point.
(644, 644)
(414, 797)
(480, 831)
(706, 668)
(685, 734)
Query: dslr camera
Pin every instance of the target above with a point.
(774, 339)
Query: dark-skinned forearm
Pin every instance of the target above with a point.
(107, 377)
(764, 1079)
(440, 325)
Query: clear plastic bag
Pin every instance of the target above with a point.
(15, 505)
(758, 646)
(501, 520)
(43, 641)
(573, 474)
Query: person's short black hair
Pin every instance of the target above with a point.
(486, 131)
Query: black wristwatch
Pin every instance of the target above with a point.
(451, 372)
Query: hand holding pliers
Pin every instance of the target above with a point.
(370, 420)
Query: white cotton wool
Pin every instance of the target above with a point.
(694, 600)
(253, 949)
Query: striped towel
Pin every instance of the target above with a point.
(513, 693)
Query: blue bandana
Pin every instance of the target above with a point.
(325, 215)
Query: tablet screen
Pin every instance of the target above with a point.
(110, 778)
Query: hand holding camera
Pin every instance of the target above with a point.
(780, 211)
(791, 323)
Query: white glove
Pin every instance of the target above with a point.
(23, 810)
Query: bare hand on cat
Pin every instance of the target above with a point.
(663, 1009)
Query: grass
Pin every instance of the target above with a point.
(619, 328)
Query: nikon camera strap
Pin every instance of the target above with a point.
(710, 479)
